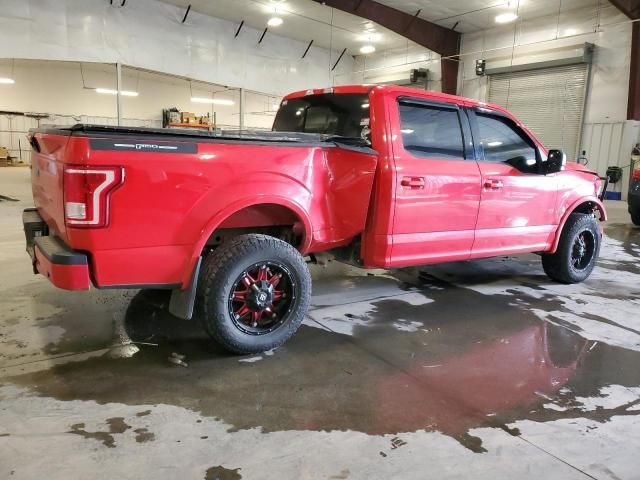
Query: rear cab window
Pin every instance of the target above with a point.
(340, 114)
(431, 131)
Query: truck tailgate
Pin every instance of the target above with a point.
(47, 169)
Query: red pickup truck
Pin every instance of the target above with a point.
(378, 177)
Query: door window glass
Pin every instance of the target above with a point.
(503, 142)
(431, 132)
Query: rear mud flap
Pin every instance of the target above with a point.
(182, 301)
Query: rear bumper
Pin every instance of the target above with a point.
(51, 257)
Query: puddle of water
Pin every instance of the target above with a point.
(488, 366)
(220, 473)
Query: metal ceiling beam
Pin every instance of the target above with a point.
(631, 8)
(439, 39)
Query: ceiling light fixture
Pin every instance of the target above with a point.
(275, 22)
(214, 101)
(365, 49)
(7, 80)
(506, 17)
(274, 7)
(109, 91)
(370, 37)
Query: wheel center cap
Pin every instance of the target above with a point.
(261, 296)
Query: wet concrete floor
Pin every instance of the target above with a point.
(469, 370)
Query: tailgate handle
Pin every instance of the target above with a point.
(413, 183)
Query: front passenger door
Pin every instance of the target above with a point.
(517, 203)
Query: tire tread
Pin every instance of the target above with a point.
(217, 266)
(556, 265)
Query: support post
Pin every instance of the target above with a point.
(118, 88)
(633, 103)
(449, 75)
(631, 8)
(242, 108)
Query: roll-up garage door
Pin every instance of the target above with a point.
(548, 101)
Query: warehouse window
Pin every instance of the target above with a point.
(431, 132)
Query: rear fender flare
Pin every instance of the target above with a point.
(598, 205)
(235, 207)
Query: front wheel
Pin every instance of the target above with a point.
(577, 251)
(253, 293)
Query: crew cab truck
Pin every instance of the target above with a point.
(379, 177)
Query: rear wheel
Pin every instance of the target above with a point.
(577, 251)
(253, 293)
(635, 216)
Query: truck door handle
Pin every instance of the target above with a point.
(491, 184)
(413, 183)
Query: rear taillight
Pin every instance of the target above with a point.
(86, 194)
(636, 171)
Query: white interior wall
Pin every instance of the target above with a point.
(551, 37)
(149, 34)
(68, 88)
(66, 93)
(557, 36)
(395, 65)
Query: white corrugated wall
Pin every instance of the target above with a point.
(610, 144)
(14, 129)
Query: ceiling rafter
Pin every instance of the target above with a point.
(631, 8)
(441, 40)
(436, 38)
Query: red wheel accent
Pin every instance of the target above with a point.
(255, 303)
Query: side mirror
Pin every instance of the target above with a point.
(523, 164)
(556, 160)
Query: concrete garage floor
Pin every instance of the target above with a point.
(483, 369)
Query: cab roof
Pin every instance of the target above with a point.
(411, 92)
(414, 92)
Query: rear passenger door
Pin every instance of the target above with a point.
(437, 182)
(517, 206)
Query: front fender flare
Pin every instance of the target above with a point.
(591, 199)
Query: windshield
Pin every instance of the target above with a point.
(344, 114)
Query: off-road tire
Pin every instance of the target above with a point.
(635, 216)
(220, 270)
(559, 266)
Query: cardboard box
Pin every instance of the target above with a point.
(187, 117)
(4, 152)
(204, 120)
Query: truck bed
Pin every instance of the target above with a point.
(83, 129)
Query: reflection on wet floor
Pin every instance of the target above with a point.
(424, 356)
(469, 360)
